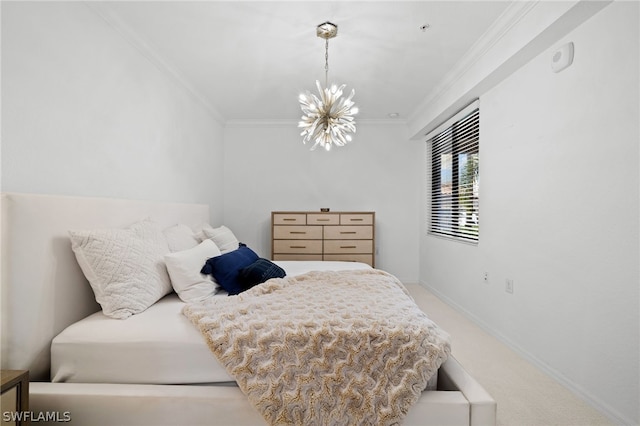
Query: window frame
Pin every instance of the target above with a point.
(457, 136)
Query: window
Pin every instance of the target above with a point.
(455, 182)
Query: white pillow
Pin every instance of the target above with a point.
(184, 269)
(180, 237)
(123, 266)
(222, 236)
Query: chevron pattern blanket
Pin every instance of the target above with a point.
(325, 348)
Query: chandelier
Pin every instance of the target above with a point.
(327, 120)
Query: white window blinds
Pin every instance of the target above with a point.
(455, 176)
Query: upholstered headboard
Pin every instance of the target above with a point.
(43, 289)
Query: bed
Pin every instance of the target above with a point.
(81, 351)
(44, 292)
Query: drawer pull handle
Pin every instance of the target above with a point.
(323, 220)
(356, 219)
(347, 232)
(299, 247)
(289, 219)
(298, 232)
(349, 247)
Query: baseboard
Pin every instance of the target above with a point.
(602, 407)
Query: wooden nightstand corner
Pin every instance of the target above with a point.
(15, 397)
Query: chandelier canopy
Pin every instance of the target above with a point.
(327, 120)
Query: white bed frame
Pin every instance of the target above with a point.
(44, 291)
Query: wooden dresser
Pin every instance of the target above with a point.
(346, 236)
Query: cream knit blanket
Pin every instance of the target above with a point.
(325, 348)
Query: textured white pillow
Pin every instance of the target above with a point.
(184, 269)
(124, 266)
(222, 236)
(180, 237)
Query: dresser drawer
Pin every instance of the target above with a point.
(297, 256)
(364, 258)
(348, 246)
(297, 232)
(289, 219)
(356, 219)
(297, 246)
(323, 219)
(348, 232)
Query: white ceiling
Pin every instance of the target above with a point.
(250, 60)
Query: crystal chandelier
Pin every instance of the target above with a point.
(327, 120)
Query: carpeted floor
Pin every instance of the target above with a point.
(525, 395)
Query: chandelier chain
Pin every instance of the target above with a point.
(326, 62)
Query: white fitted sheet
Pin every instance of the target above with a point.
(157, 346)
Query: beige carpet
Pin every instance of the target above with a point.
(525, 395)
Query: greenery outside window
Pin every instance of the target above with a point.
(455, 178)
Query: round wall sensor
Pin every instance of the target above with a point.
(562, 58)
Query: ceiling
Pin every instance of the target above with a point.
(250, 60)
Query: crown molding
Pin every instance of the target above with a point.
(236, 123)
(150, 53)
(522, 32)
(514, 13)
(239, 123)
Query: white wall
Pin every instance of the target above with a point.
(268, 168)
(85, 113)
(560, 216)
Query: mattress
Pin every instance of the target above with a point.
(157, 346)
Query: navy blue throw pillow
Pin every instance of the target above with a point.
(258, 272)
(226, 267)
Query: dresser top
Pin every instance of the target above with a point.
(320, 212)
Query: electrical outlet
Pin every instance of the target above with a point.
(509, 286)
(486, 278)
